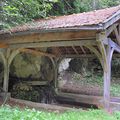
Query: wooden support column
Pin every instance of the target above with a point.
(106, 52)
(55, 67)
(6, 70)
(107, 78)
(7, 57)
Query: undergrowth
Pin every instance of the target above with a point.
(8, 113)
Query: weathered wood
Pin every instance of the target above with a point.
(111, 29)
(111, 20)
(100, 38)
(86, 56)
(36, 82)
(75, 50)
(40, 106)
(36, 52)
(13, 54)
(107, 53)
(86, 99)
(117, 35)
(6, 71)
(107, 77)
(54, 44)
(50, 36)
(55, 67)
(114, 45)
(82, 49)
(96, 52)
(3, 45)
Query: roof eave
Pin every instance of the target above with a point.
(98, 27)
(111, 20)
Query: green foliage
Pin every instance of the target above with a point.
(108, 3)
(25, 92)
(19, 11)
(14, 12)
(8, 113)
(68, 7)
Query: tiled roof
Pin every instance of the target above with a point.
(69, 21)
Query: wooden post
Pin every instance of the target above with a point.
(6, 70)
(106, 52)
(55, 67)
(6, 76)
(107, 79)
(107, 76)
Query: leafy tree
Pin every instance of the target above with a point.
(14, 12)
(68, 6)
(18, 11)
(108, 3)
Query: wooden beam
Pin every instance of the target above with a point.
(36, 82)
(82, 49)
(3, 45)
(50, 36)
(86, 99)
(40, 106)
(96, 52)
(37, 53)
(111, 20)
(117, 35)
(86, 56)
(75, 50)
(6, 71)
(111, 29)
(114, 45)
(54, 44)
(101, 38)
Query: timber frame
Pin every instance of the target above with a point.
(86, 41)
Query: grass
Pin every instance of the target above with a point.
(8, 113)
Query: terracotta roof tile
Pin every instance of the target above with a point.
(74, 20)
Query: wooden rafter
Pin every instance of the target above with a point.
(75, 50)
(37, 53)
(114, 45)
(82, 49)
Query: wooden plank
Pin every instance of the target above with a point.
(3, 45)
(86, 99)
(37, 53)
(54, 44)
(53, 36)
(39, 106)
(86, 56)
(36, 82)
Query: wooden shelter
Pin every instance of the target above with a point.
(85, 34)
